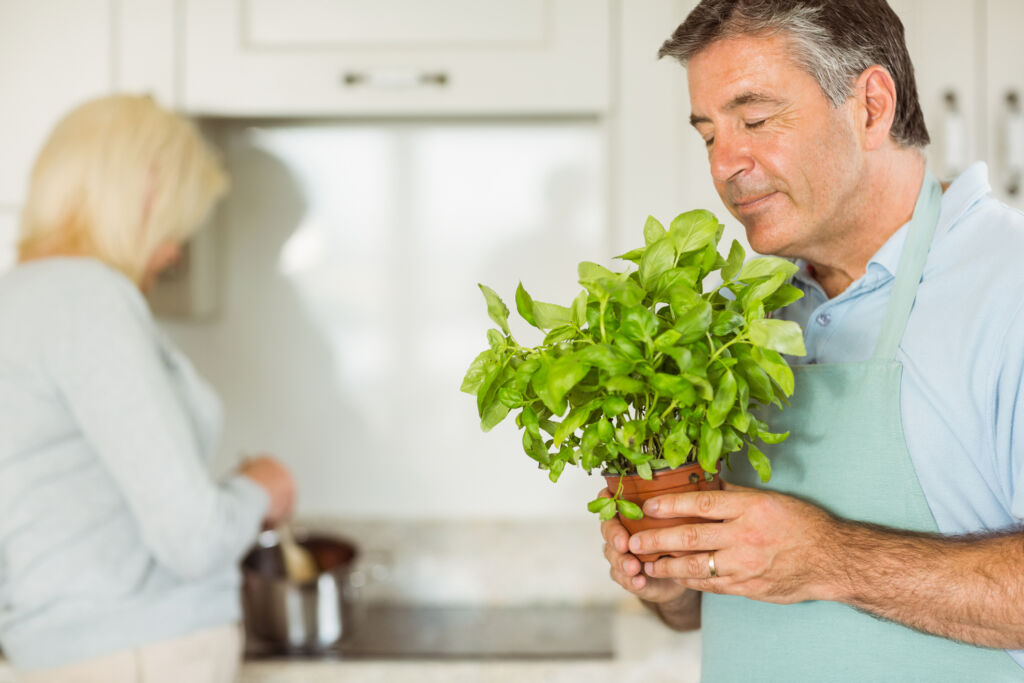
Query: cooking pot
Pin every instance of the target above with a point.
(305, 617)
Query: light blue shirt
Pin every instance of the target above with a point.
(962, 353)
(112, 532)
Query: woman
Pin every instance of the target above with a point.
(118, 553)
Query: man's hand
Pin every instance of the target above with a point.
(277, 481)
(769, 546)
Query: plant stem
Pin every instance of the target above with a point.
(724, 347)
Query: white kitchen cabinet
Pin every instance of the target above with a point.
(969, 63)
(1004, 100)
(946, 52)
(395, 57)
(53, 55)
(58, 53)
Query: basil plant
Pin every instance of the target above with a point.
(649, 368)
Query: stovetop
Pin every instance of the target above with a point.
(432, 632)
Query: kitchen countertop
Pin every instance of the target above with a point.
(644, 650)
(490, 564)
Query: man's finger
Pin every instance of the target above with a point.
(685, 537)
(706, 504)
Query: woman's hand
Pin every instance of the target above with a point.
(277, 481)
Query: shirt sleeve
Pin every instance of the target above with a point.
(110, 371)
(1009, 415)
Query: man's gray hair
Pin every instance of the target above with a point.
(832, 40)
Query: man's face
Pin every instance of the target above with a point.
(785, 162)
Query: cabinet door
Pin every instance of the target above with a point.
(53, 55)
(399, 57)
(1005, 99)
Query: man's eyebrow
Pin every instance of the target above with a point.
(743, 99)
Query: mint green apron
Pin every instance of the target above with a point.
(846, 453)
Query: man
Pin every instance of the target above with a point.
(887, 545)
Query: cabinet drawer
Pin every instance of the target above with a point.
(396, 57)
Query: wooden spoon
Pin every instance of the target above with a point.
(299, 565)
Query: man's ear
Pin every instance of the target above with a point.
(876, 97)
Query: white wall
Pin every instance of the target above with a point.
(350, 313)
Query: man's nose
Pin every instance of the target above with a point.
(730, 155)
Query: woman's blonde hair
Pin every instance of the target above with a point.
(118, 177)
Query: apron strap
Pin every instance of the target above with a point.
(911, 267)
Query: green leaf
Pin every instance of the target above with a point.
(579, 309)
(693, 230)
(756, 293)
(573, 421)
(607, 512)
(634, 255)
(563, 375)
(694, 323)
(548, 316)
(644, 470)
(667, 339)
(682, 299)
(624, 385)
(605, 431)
(775, 367)
(638, 323)
(496, 340)
(677, 447)
(614, 405)
(528, 418)
(740, 419)
(494, 412)
(734, 262)
(725, 322)
(685, 277)
(536, 449)
(772, 438)
(628, 347)
(765, 266)
(510, 396)
(478, 370)
(590, 439)
(524, 304)
(707, 392)
(730, 440)
(630, 510)
(488, 389)
(681, 391)
(659, 257)
(759, 461)
(539, 382)
(624, 290)
(783, 336)
(587, 271)
(560, 334)
(757, 379)
(725, 399)
(653, 230)
(709, 448)
(785, 295)
(607, 358)
(496, 308)
(555, 470)
(599, 504)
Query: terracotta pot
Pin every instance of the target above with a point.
(635, 489)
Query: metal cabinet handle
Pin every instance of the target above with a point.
(395, 79)
(1014, 144)
(954, 133)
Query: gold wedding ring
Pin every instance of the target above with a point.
(712, 569)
